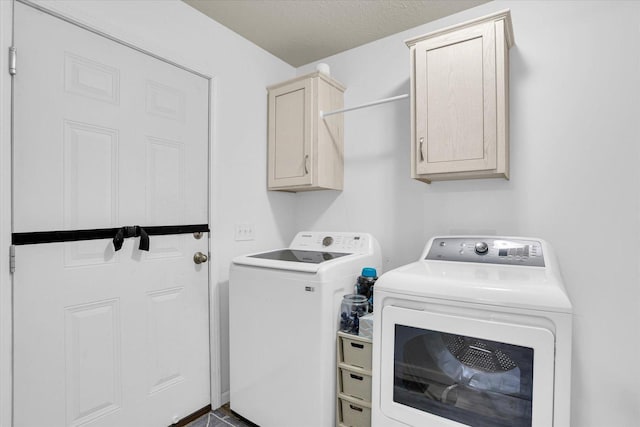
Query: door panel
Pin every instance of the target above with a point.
(165, 181)
(90, 176)
(92, 360)
(91, 79)
(103, 134)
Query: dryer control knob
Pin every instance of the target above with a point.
(481, 248)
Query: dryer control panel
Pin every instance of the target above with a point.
(487, 250)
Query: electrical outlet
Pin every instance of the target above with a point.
(244, 232)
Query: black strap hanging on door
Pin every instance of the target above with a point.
(126, 232)
(117, 234)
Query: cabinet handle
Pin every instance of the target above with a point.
(355, 408)
(356, 345)
(306, 160)
(421, 154)
(356, 377)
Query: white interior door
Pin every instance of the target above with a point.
(106, 136)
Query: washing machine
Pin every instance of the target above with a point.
(283, 319)
(477, 333)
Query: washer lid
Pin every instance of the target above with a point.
(293, 259)
(313, 251)
(501, 285)
(296, 255)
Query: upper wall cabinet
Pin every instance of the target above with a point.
(460, 100)
(305, 152)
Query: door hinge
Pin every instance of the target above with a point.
(13, 57)
(12, 259)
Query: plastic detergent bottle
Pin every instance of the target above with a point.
(364, 285)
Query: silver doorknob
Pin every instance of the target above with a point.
(199, 258)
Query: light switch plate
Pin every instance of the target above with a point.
(244, 232)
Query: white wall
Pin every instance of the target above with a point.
(241, 71)
(575, 109)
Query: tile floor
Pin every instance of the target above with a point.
(221, 417)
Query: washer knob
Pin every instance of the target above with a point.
(481, 248)
(327, 241)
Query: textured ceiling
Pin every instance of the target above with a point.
(304, 31)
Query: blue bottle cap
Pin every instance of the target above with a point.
(369, 272)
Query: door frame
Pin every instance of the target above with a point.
(6, 315)
(133, 41)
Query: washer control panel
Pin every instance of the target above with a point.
(489, 250)
(333, 242)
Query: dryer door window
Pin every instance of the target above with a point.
(444, 370)
(466, 379)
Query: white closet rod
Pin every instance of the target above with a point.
(368, 104)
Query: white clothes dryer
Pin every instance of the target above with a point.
(283, 318)
(477, 333)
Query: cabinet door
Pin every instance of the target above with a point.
(290, 134)
(455, 84)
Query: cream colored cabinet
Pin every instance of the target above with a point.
(305, 151)
(460, 100)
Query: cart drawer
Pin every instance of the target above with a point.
(355, 384)
(356, 353)
(353, 414)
